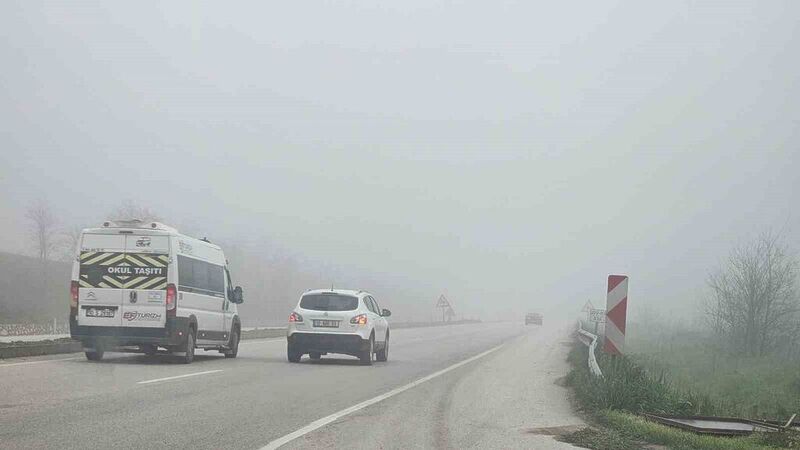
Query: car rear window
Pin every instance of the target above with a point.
(329, 302)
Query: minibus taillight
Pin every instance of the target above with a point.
(73, 300)
(172, 300)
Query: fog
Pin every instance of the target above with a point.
(508, 154)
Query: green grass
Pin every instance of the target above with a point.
(625, 431)
(755, 387)
(636, 428)
(628, 389)
(600, 438)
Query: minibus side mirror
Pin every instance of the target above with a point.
(238, 297)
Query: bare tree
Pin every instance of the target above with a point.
(70, 238)
(754, 303)
(129, 209)
(43, 229)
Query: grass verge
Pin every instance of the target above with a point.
(627, 389)
(761, 387)
(34, 343)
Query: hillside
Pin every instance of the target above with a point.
(32, 292)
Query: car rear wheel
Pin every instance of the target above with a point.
(233, 347)
(188, 350)
(383, 354)
(367, 355)
(293, 354)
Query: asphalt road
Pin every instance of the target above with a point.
(478, 385)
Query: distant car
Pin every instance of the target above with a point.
(338, 321)
(533, 318)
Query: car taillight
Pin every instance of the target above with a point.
(73, 300)
(172, 300)
(294, 317)
(360, 319)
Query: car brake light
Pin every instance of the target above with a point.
(73, 301)
(360, 319)
(172, 300)
(296, 318)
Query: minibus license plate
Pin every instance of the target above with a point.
(100, 312)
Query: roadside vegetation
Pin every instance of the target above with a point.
(34, 287)
(740, 385)
(614, 404)
(741, 360)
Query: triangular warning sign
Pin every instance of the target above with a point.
(588, 306)
(442, 302)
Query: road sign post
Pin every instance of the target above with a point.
(449, 313)
(617, 309)
(597, 316)
(446, 307)
(587, 308)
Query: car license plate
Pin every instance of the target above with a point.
(326, 323)
(100, 312)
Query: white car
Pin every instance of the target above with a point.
(140, 286)
(338, 321)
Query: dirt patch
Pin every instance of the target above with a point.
(598, 439)
(555, 431)
(561, 381)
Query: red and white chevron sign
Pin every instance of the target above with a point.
(616, 310)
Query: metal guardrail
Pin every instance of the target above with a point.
(590, 340)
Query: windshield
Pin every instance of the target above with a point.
(329, 302)
(590, 209)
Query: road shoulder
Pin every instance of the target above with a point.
(515, 399)
(512, 398)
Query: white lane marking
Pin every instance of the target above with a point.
(337, 415)
(179, 376)
(37, 362)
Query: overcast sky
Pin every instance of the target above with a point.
(504, 152)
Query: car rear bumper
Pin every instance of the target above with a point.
(349, 344)
(172, 334)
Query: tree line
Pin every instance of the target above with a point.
(50, 239)
(273, 278)
(753, 305)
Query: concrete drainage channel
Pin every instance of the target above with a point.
(723, 426)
